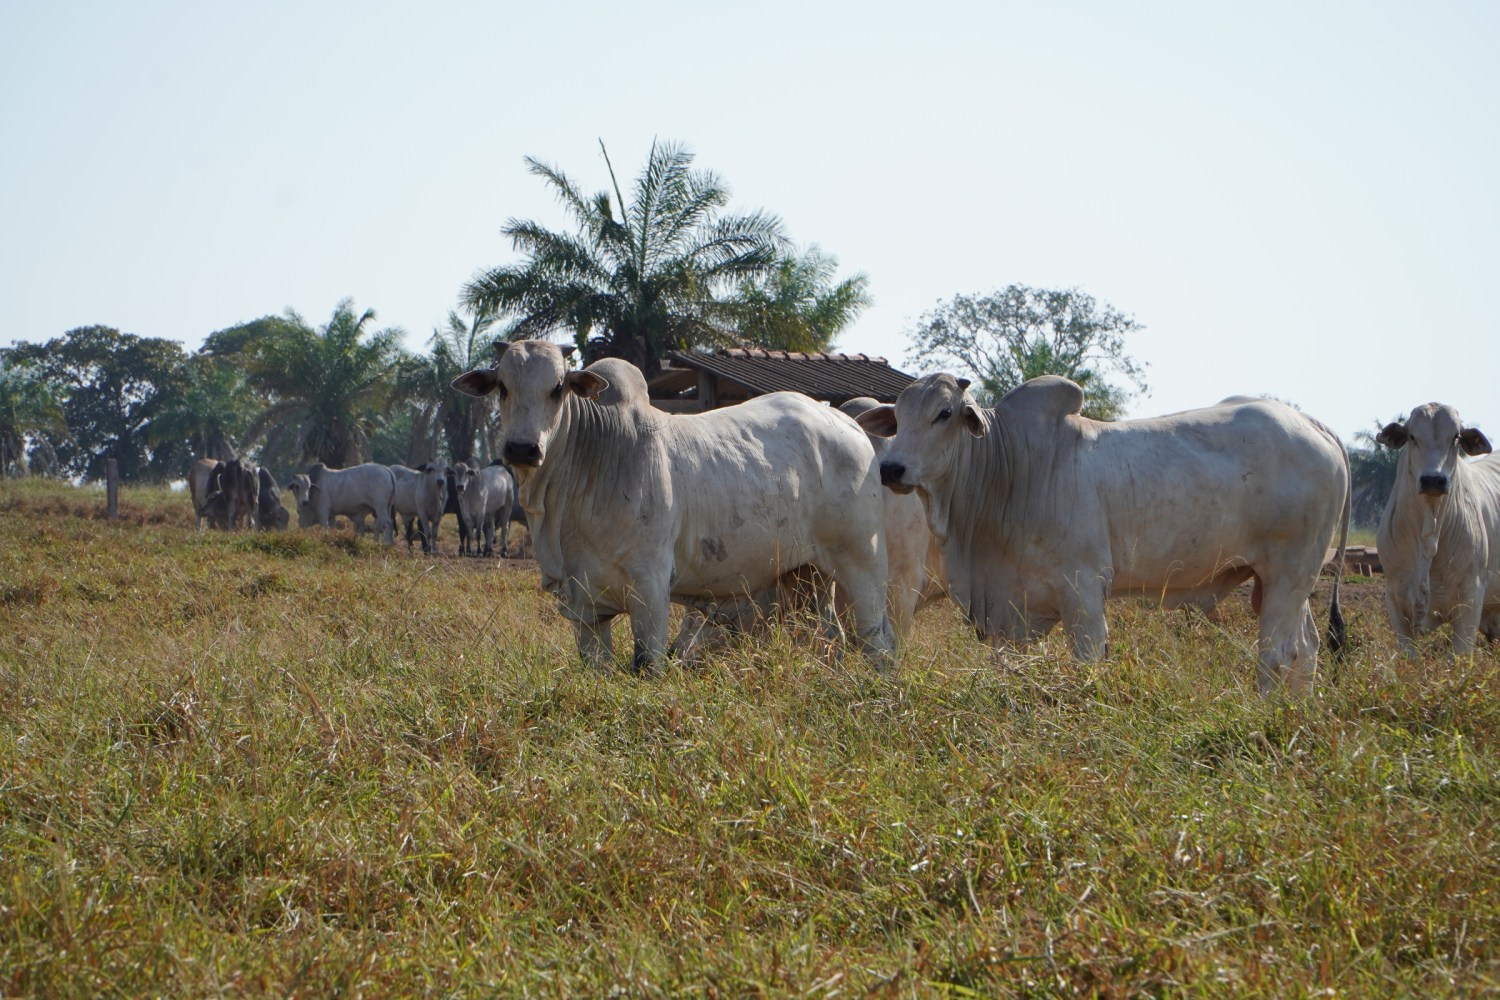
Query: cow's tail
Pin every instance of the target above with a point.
(1338, 633)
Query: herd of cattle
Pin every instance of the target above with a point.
(1026, 514)
(235, 494)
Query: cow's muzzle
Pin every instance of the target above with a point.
(527, 455)
(1433, 486)
(891, 476)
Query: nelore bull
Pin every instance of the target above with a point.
(1439, 538)
(323, 494)
(631, 508)
(1043, 514)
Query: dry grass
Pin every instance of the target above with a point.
(305, 764)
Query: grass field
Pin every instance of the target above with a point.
(305, 764)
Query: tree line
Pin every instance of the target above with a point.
(667, 268)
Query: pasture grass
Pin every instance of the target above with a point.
(303, 763)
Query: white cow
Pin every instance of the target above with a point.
(914, 553)
(631, 508)
(499, 498)
(1043, 513)
(420, 494)
(1439, 539)
(324, 493)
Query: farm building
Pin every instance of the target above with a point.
(694, 381)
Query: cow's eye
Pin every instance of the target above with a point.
(501, 391)
(557, 392)
(943, 414)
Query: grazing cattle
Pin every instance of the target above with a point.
(324, 493)
(450, 505)
(420, 496)
(915, 556)
(239, 486)
(209, 508)
(270, 514)
(631, 508)
(499, 501)
(1439, 538)
(1043, 513)
(473, 501)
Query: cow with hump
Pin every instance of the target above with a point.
(631, 508)
(1043, 514)
(1439, 538)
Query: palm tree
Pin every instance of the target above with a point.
(212, 413)
(329, 387)
(440, 410)
(635, 279)
(799, 306)
(29, 406)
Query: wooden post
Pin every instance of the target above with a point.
(708, 391)
(112, 487)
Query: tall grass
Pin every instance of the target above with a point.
(305, 763)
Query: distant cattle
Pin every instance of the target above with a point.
(630, 508)
(914, 553)
(239, 485)
(1043, 513)
(1439, 538)
(209, 507)
(270, 514)
(499, 502)
(420, 496)
(324, 493)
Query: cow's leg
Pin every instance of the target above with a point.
(648, 605)
(596, 641)
(505, 534)
(1081, 602)
(1400, 618)
(1466, 622)
(1288, 638)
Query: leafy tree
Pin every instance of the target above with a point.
(328, 387)
(635, 279)
(29, 407)
(113, 386)
(799, 305)
(1372, 475)
(1018, 333)
(440, 410)
(212, 413)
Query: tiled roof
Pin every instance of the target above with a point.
(833, 378)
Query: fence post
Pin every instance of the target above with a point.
(112, 487)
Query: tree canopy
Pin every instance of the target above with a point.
(1019, 332)
(637, 278)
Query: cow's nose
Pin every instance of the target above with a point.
(1434, 486)
(891, 473)
(522, 454)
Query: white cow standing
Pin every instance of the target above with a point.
(323, 494)
(1439, 538)
(914, 553)
(420, 495)
(1044, 513)
(631, 508)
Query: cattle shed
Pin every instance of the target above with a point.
(694, 381)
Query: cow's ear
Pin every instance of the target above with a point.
(1392, 436)
(1473, 442)
(879, 421)
(587, 384)
(973, 422)
(479, 382)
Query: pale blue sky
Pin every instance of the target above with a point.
(1300, 199)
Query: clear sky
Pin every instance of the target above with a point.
(1300, 199)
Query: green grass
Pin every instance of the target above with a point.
(303, 763)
